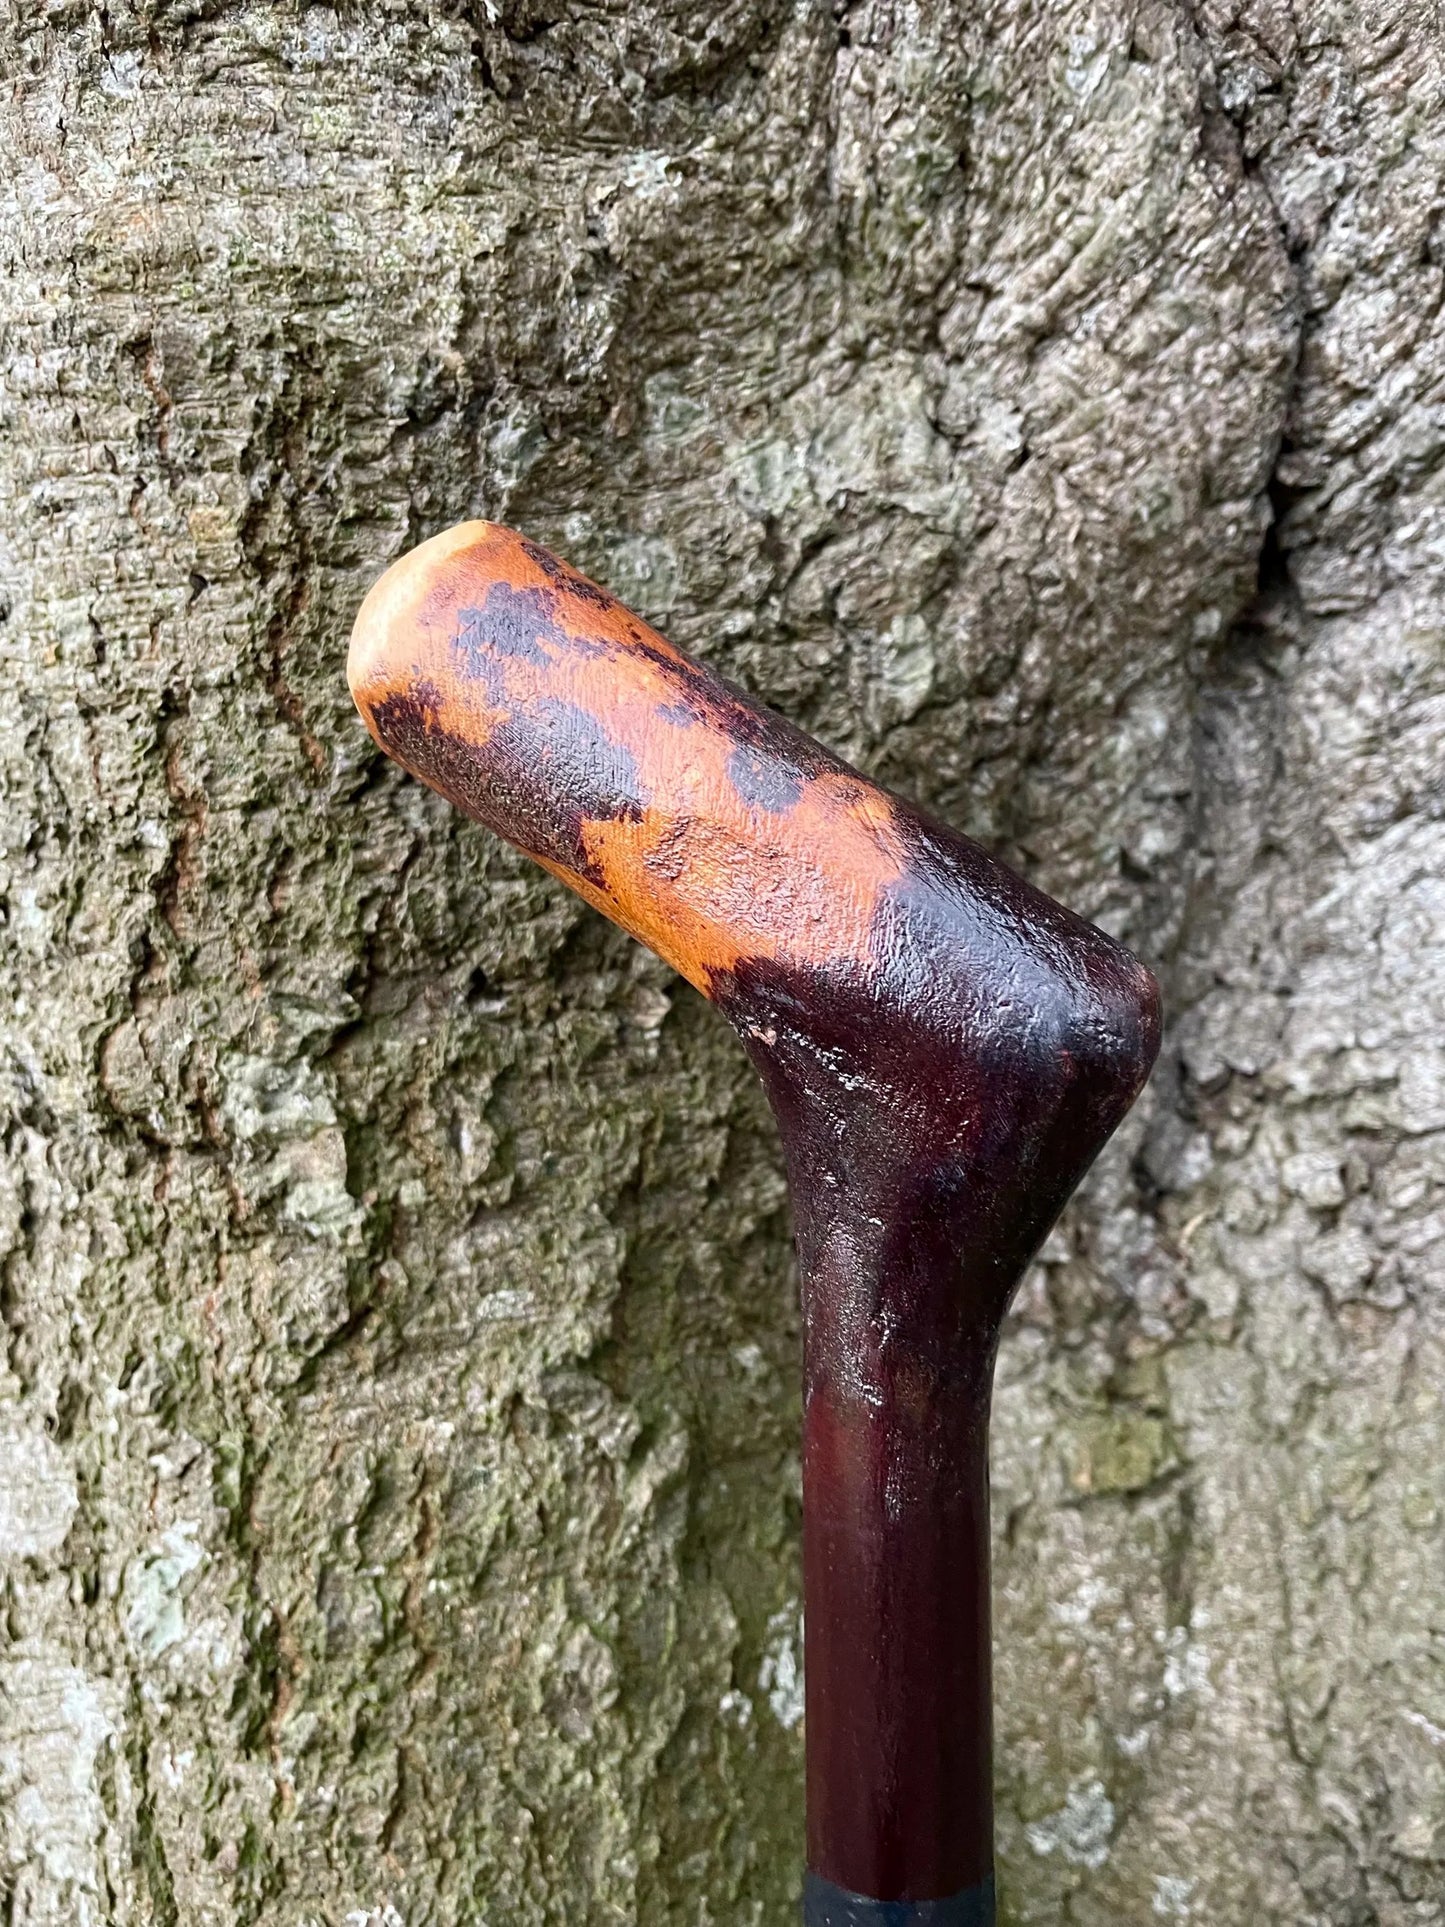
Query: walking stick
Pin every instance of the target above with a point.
(945, 1050)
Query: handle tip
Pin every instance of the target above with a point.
(386, 623)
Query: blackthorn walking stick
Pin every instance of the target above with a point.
(945, 1049)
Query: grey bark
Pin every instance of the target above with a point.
(1044, 401)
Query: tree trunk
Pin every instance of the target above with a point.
(398, 1430)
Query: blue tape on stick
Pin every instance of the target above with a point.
(825, 1905)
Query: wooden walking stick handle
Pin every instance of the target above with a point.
(945, 1049)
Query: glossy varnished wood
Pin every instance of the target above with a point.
(945, 1049)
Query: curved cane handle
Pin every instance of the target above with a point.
(946, 1051)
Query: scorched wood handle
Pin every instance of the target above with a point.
(945, 1049)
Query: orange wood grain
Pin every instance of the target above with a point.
(703, 873)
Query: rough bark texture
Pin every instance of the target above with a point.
(1044, 401)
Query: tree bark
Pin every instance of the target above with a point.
(1044, 404)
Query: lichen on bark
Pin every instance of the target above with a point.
(398, 1419)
